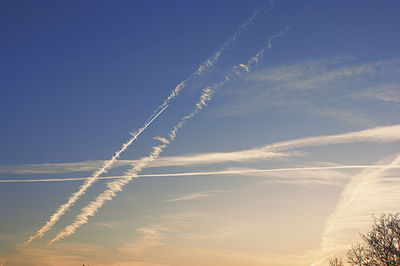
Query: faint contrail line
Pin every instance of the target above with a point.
(209, 62)
(386, 134)
(222, 172)
(116, 186)
(89, 181)
(369, 192)
(203, 66)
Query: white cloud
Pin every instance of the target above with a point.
(383, 92)
(321, 174)
(191, 159)
(278, 150)
(152, 236)
(314, 86)
(197, 195)
(372, 191)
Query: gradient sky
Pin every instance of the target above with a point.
(292, 149)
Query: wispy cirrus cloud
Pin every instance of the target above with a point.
(372, 191)
(55, 168)
(275, 151)
(151, 236)
(176, 225)
(196, 195)
(89, 182)
(208, 63)
(186, 160)
(385, 92)
(317, 174)
(317, 87)
(226, 232)
(118, 185)
(64, 255)
(155, 234)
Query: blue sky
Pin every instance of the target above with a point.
(251, 179)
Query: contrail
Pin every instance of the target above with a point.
(386, 134)
(209, 62)
(379, 134)
(175, 92)
(370, 192)
(72, 199)
(222, 172)
(116, 186)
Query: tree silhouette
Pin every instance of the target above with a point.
(380, 246)
(336, 262)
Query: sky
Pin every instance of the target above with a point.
(195, 132)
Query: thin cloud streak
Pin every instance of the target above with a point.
(246, 171)
(88, 183)
(203, 66)
(197, 195)
(372, 191)
(191, 159)
(305, 86)
(209, 62)
(386, 134)
(118, 185)
(152, 236)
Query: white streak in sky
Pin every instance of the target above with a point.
(209, 62)
(118, 185)
(203, 66)
(74, 197)
(239, 171)
(372, 191)
(385, 134)
(197, 195)
(379, 134)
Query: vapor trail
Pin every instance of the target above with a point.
(272, 151)
(379, 134)
(209, 62)
(222, 172)
(116, 186)
(203, 66)
(74, 197)
(374, 191)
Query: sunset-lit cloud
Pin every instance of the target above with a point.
(308, 86)
(117, 186)
(88, 183)
(210, 133)
(275, 151)
(206, 96)
(372, 191)
(197, 195)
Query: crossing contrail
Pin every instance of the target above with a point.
(209, 62)
(222, 172)
(89, 181)
(116, 186)
(175, 92)
(274, 151)
(372, 191)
